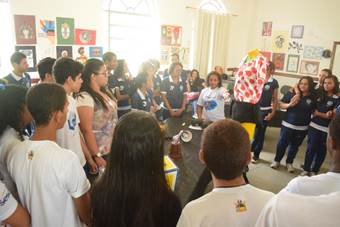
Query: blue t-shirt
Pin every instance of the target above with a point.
(329, 104)
(124, 87)
(174, 92)
(267, 94)
(141, 101)
(25, 81)
(300, 114)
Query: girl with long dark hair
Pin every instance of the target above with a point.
(97, 110)
(133, 190)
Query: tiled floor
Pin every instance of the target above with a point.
(260, 174)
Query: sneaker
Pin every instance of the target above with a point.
(290, 168)
(304, 173)
(254, 160)
(195, 116)
(275, 165)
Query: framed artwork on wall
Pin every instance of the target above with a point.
(293, 63)
(64, 51)
(31, 55)
(309, 67)
(25, 32)
(267, 28)
(279, 61)
(297, 31)
(65, 30)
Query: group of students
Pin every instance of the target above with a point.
(82, 113)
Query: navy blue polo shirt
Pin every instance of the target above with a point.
(196, 85)
(323, 106)
(157, 82)
(338, 109)
(174, 92)
(141, 101)
(25, 81)
(124, 87)
(298, 117)
(267, 94)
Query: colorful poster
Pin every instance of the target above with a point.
(293, 63)
(309, 67)
(280, 41)
(25, 32)
(171, 35)
(85, 37)
(64, 51)
(96, 52)
(266, 54)
(48, 29)
(65, 30)
(279, 61)
(267, 28)
(313, 52)
(30, 53)
(297, 31)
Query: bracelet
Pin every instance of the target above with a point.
(98, 155)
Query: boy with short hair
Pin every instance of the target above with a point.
(226, 152)
(19, 75)
(45, 70)
(67, 72)
(51, 182)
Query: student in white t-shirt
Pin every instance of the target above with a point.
(327, 182)
(226, 152)
(14, 116)
(11, 213)
(51, 182)
(212, 99)
(288, 209)
(67, 73)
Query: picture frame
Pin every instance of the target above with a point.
(309, 67)
(64, 51)
(31, 56)
(25, 30)
(279, 61)
(297, 31)
(267, 28)
(293, 61)
(95, 52)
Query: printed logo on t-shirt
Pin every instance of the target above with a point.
(267, 87)
(144, 103)
(210, 105)
(308, 101)
(121, 87)
(181, 88)
(240, 206)
(172, 88)
(329, 103)
(4, 199)
(72, 121)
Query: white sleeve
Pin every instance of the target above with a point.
(85, 100)
(267, 217)
(293, 186)
(8, 204)
(184, 220)
(200, 98)
(73, 177)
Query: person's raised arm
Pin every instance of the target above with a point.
(19, 218)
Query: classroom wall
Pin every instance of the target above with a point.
(320, 20)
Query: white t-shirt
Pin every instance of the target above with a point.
(7, 203)
(237, 206)
(316, 185)
(8, 140)
(47, 178)
(212, 101)
(68, 137)
(292, 210)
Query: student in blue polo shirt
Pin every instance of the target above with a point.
(327, 101)
(142, 98)
(338, 109)
(268, 104)
(122, 87)
(172, 91)
(295, 123)
(19, 75)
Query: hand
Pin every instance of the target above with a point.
(269, 117)
(172, 113)
(100, 161)
(153, 109)
(329, 114)
(295, 100)
(179, 112)
(93, 165)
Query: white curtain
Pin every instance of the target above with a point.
(220, 41)
(211, 41)
(203, 39)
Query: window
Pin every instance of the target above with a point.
(134, 31)
(213, 5)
